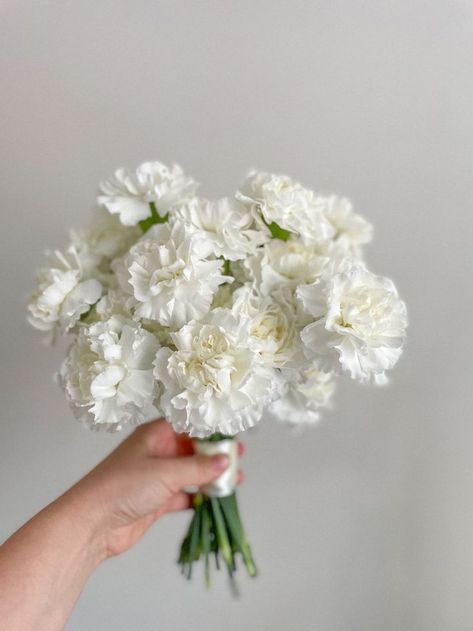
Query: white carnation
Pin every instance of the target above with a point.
(226, 223)
(272, 325)
(350, 229)
(105, 238)
(221, 309)
(359, 325)
(304, 397)
(214, 381)
(287, 203)
(114, 303)
(63, 293)
(129, 194)
(286, 264)
(96, 246)
(108, 374)
(172, 280)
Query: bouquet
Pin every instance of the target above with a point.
(213, 313)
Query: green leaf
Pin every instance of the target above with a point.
(84, 315)
(277, 232)
(154, 218)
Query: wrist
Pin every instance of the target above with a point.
(81, 514)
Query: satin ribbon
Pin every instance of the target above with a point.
(226, 483)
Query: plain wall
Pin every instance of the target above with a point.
(365, 522)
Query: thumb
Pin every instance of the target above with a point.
(195, 470)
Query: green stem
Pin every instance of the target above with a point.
(205, 539)
(232, 515)
(216, 528)
(222, 536)
(154, 218)
(194, 540)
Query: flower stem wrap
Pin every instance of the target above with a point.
(216, 526)
(225, 484)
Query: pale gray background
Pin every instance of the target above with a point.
(366, 522)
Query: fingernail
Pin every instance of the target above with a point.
(220, 462)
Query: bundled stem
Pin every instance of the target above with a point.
(216, 529)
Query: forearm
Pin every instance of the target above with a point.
(45, 565)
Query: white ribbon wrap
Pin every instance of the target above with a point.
(226, 483)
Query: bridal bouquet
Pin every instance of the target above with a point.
(213, 313)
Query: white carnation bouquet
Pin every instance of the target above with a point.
(213, 313)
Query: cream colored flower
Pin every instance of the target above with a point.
(214, 381)
(350, 229)
(304, 397)
(359, 325)
(273, 322)
(226, 223)
(63, 293)
(114, 303)
(281, 200)
(222, 309)
(105, 237)
(286, 264)
(107, 375)
(173, 281)
(129, 193)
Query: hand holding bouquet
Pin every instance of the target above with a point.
(211, 313)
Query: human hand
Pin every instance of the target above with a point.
(45, 564)
(142, 480)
